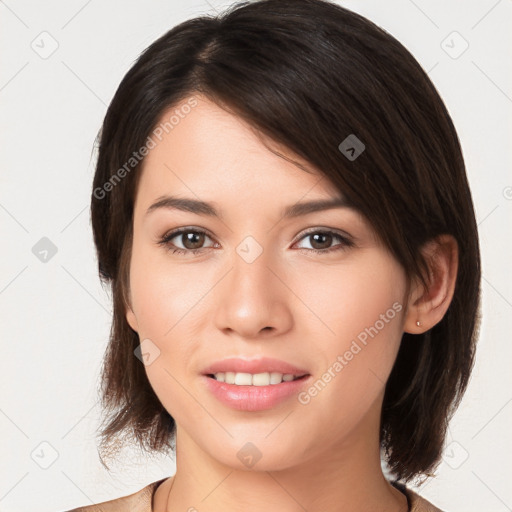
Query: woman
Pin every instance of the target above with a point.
(281, 208)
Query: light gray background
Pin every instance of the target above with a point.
(55, 314)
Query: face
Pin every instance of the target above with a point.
(316, 290)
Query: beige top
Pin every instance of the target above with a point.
(141, 501)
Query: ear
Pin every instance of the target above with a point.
(132, 319)
(428, 306)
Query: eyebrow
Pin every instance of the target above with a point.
(204, 208)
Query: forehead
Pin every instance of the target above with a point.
(208, 150)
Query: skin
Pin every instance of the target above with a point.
(291, 304)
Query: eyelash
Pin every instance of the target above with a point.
(345, 242)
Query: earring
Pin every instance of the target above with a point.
(418, 323)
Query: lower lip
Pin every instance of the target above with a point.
(254, 398)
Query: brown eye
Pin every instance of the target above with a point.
(192, 240)
(185, 240)
(321, 241)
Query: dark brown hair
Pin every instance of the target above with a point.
(307, 74)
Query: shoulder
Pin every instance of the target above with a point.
(417, 503)
(139, 501)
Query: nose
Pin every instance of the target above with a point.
(253, 299)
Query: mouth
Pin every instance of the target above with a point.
(255, 392)
(256, 379)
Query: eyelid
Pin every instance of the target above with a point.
(173, 233)
(323, 229)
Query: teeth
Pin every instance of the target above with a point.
(258, 379)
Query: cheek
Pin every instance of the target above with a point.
(346, 300)
(171, 304)
(167, 304)
(162, 295)
(360, 308)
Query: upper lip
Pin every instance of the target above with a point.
(261, 365)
